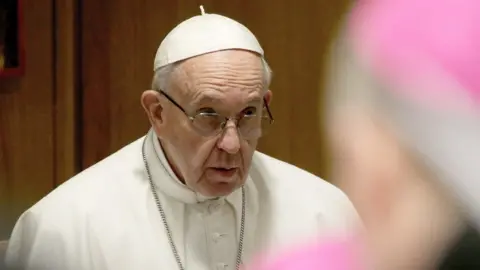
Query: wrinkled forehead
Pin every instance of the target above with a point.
(224, 69)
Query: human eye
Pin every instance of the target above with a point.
(250, 112)
(207, 112)
(207, 117)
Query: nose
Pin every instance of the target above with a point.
(230, 140)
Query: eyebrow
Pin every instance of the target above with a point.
(204, 99)
(208, 99)
(257, 99)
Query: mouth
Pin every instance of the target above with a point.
(224, 168)
(224, 171)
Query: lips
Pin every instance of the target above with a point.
(224, 168)
(223, 172)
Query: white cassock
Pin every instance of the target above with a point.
(106, 216)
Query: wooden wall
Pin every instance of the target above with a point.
(37, 111)
(88, 62)
(27, 164)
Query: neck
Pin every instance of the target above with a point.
(445, 226)
(424, 225)
(172, 165)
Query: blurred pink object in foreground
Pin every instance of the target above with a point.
(331, 254)
(426, 50)
(429, 49)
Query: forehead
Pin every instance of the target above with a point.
(358, 126)
(218, 75)
(346, 120)
(229, 62)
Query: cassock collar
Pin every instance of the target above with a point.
(168, 183)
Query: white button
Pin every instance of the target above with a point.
(222, 266)
(215, 204)
(212, 207)
(216, 236)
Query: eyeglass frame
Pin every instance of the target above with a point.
(223, 124)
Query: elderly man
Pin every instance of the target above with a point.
(193, 193)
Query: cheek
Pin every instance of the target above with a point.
(372, 191)
(195, 150)
(247, 150)
(357, 179)
(189, 151)
(358, 175)
(352, 165)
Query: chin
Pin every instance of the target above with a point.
(220, 189)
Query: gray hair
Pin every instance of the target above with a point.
(162, 76)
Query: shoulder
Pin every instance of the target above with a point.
(62, 221)
(90, 189)
(294, 191)
(284, 177)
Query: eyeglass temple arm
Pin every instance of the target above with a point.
(268, 110)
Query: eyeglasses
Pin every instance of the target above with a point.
(250, 124)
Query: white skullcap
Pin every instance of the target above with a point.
(203, 34)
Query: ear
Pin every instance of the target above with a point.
(268, 97)
(151, 104)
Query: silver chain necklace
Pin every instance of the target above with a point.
(167, 228)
